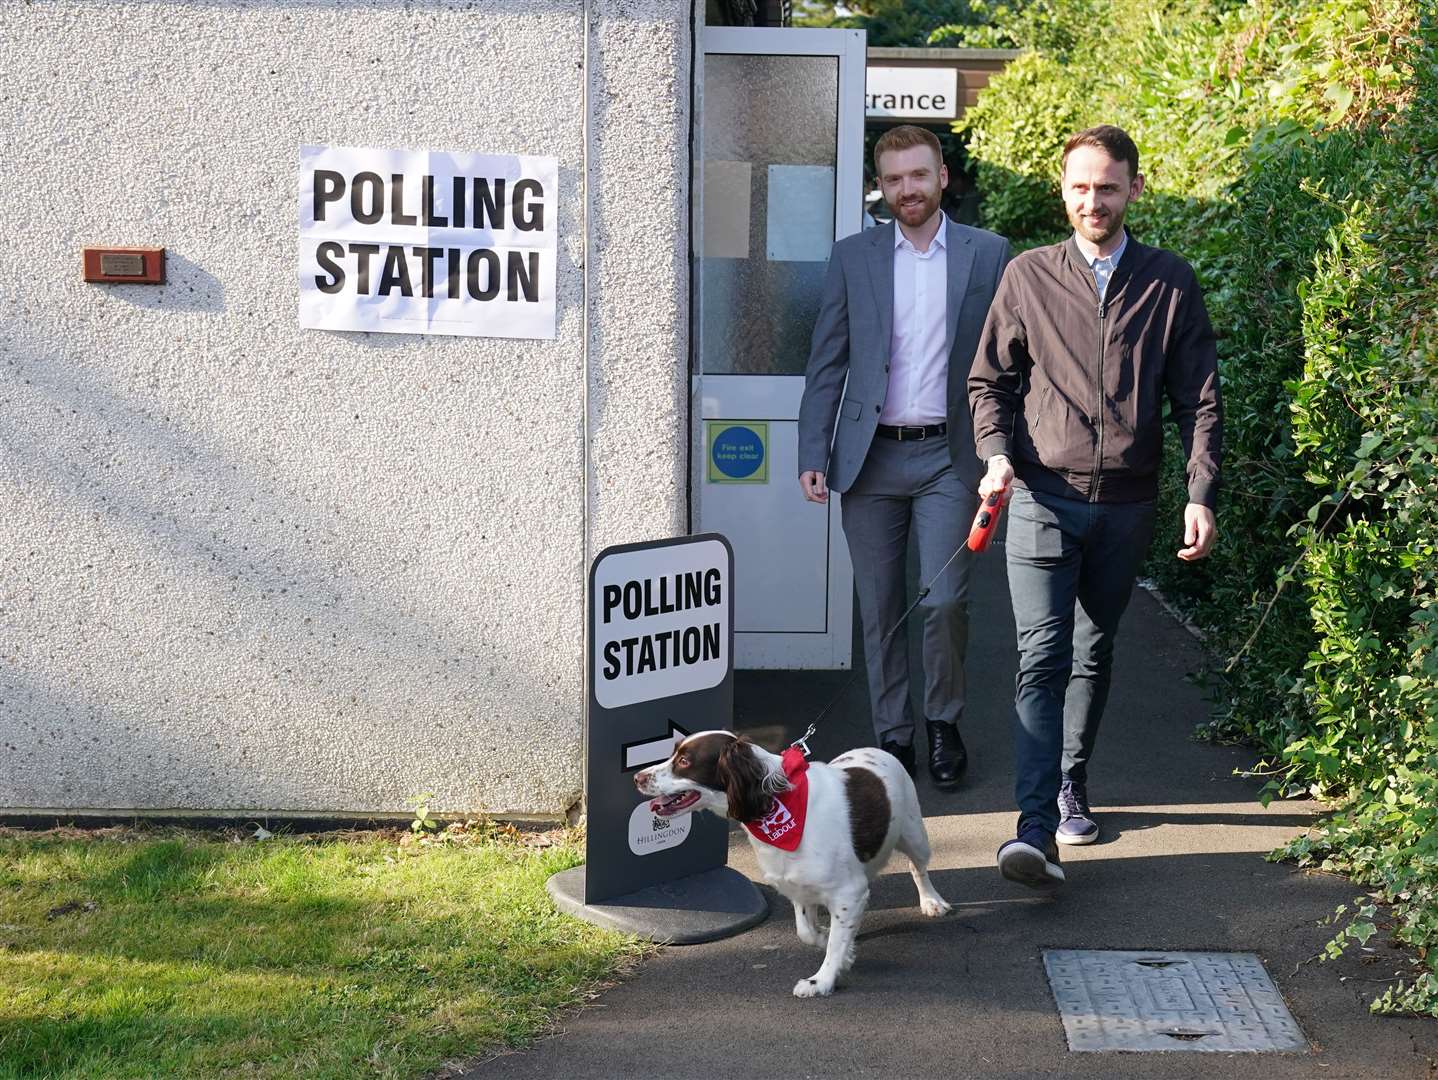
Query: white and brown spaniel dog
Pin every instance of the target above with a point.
(861, 806)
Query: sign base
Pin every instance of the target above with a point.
(706, 906)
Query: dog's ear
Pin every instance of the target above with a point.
(742, 775)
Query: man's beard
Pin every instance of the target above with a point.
(915, 213)
(1107, 229)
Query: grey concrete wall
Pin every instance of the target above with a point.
(247, 567)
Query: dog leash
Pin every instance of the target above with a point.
(982, 530)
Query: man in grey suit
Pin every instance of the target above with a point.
(902, 309)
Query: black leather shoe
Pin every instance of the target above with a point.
(947, 756)
(905, 754)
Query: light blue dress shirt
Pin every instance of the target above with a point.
(1103, 268)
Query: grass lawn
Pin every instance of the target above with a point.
(169, 953)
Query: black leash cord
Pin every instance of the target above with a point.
(803, 740)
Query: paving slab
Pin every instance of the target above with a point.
(1180, 866)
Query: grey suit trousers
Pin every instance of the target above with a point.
(903, 486)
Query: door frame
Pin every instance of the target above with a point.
(744, 400)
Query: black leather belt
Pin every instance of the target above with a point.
(912, 432)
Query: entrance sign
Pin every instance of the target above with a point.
(912, 93)
(661, 667)
(419, 242)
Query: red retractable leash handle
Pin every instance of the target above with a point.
(985, 522)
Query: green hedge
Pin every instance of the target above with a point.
(1291, 151)
(1365, 429)
(1033, 106)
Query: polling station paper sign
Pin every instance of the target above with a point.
(420, 242)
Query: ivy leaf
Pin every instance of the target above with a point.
(1341, 97)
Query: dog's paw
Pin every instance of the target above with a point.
(807, 988)
(935, 907)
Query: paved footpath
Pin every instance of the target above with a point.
(1179, 867)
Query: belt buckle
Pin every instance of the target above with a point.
(923, 433)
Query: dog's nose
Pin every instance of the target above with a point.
(641, 778)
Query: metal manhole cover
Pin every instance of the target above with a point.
(1204, 1001)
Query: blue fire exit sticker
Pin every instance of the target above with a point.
(738, 453)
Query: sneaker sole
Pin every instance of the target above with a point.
(1074, 840)
(1028, 866)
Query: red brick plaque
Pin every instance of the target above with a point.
(125, 265)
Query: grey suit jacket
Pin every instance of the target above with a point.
(853, 336)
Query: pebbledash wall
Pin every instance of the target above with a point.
(250, 568)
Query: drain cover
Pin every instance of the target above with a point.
(1169, 1001)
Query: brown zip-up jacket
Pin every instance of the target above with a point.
(1072, 390)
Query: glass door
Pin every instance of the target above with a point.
(778, 179)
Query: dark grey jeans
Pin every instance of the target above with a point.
(1071, 571)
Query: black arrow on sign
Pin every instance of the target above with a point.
(636, 755)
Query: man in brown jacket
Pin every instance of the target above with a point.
(1084, 342)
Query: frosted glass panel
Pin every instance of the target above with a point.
(778, 114)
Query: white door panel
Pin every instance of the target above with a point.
(742, 397)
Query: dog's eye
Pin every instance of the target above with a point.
(682, 761)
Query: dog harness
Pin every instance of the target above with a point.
(783, 825)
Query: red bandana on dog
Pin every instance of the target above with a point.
(783, 825)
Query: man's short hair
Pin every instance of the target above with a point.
(902, 138)
(1113, 141)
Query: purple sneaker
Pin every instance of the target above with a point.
(1075, 825)
(1032, 860)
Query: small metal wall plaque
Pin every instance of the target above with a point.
(1209, 1002)
(116, 265)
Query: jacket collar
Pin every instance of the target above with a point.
(1120, 250)
(959, 254)
(1134, 254)
(941, 235)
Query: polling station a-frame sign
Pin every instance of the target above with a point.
(660, 666)
(661, 643)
